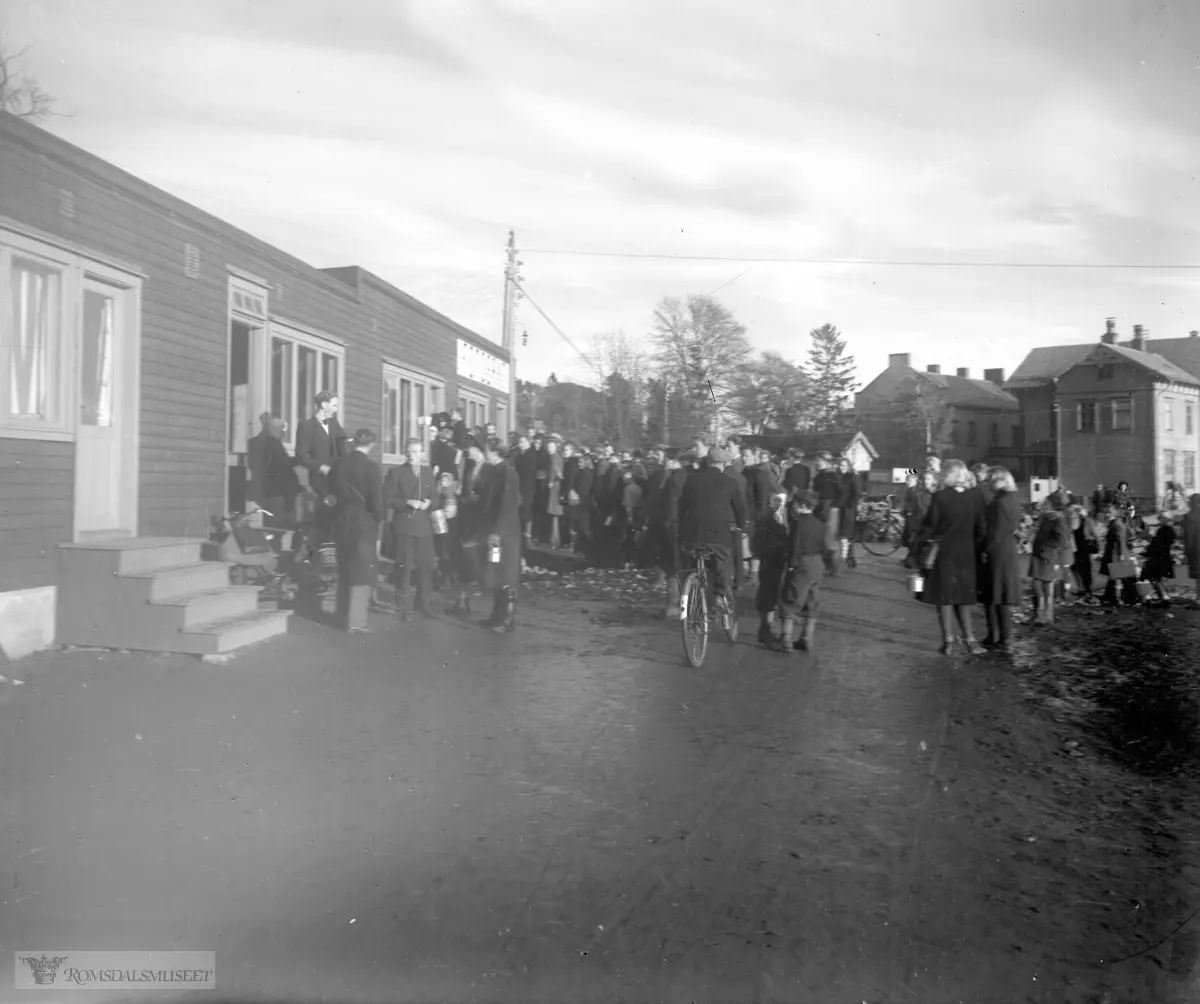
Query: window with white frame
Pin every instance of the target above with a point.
(1085, 416)
(408, 396)
(1169, 465)
(1188, 419)
(474, 408)
(302, 364)
(1168, 415)
(1189, 470)
(1122, 414)
(38, 293)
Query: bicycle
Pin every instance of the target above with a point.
(882, 527)
(694, 613)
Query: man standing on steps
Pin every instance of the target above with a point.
(320, 442)
(409, 491)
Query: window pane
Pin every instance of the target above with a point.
(96, 363)
(281, 381)
(1189, 470)
(391, 422)
(329, 373)
(405, 413)
(419, 393)
(35, 333)
(306, 377)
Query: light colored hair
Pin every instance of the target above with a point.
(1001, 479)
(956, 475)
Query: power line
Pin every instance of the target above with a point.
(854, 261)
(546, 317)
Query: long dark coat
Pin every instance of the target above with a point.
(357, 481)
(1191, 541)
(957, 522)
(583, 512)
(1000, 575)
(525, 465)
(500, 504)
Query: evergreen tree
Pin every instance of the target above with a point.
(830, 377)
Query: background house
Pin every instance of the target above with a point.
(906, 413)
(851, 444)
(1126, 414)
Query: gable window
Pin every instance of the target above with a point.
(1168, 416)
(1085, 416)
(1104, 372)
(302, 364)
(1189, 426)
(408, 396)
(1189, 470)
(1169, 465)
(1122, 414)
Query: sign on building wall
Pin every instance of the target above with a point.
(481, 366)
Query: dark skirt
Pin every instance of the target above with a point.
(1045, 567)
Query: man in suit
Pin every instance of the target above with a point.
(709, 506)
(409, 491)
(320, 442)
(500, 506)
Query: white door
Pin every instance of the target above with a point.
(100, 458)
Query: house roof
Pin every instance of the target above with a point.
(814, 442)
(963, 392)
(1047, 363)
(1183, 352)
(1149, 361)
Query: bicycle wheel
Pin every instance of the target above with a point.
(881, 536)
(694, 619)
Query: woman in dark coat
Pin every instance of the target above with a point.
(525, 464)
(466, 528)
(1117, 546)
(1000, 573)
(500, 527)
(1050, 544)
(848, 509)
(956, 523)
(357, 482)
(1191, 541)
(582, 514)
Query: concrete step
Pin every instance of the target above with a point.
(232, 633)
(127, 555)
(157, 584)
(205, 606)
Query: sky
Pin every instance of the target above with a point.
(958, 181)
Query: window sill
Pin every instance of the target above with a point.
(41, 435)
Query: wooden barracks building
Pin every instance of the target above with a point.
(140, 339)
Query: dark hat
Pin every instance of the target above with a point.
(364, 437)
(720, 456)
(441, 420)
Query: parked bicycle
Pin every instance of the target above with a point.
(699, 607)
(882, 526)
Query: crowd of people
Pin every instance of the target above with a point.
(964, 537)
(464, 513)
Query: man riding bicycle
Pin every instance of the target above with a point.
(710, 505)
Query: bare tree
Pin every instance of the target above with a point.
(700, 348)
(770, 394)
(619, 371)
(20, 94)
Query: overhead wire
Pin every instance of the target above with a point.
(873, 262)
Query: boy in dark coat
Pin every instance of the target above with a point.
(357, 483)
(805, 569)
(409, 491)
(501, 518)
(772, 547)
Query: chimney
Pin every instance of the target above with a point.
(899, 361)
(994, 376)
(933, 369)
(1194, 334)
(1139, 338)
(1110, 331)
(963, 372)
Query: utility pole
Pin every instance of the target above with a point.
(512, 295)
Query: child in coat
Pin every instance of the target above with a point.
(1158, 564)
(805, 569)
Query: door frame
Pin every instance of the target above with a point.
(126, 404)
(243, 291)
